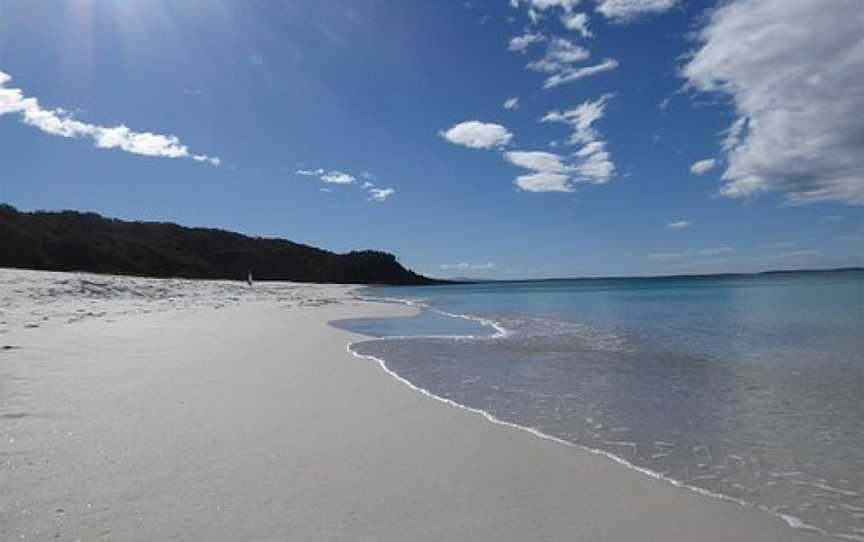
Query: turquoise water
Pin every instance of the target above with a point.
(750, 387)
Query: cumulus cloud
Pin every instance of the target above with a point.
(794, 70)
(520, 44)
(545, 181)
(549, 173)
(381, 194)
(577, 22)
(61, 123)
(679, 224)
(511, 103)
(703, 166)
(537, 160)
(629, 10)
(465, 266)
(561, 61)
(477, 135)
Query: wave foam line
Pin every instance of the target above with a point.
(790, 520)
(500, 331)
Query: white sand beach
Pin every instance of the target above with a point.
(142, 409)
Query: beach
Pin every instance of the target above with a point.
(144, 409)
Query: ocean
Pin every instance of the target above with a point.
(745, 387)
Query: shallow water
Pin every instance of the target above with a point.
(749, 387)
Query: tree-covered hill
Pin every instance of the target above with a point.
(73, 241)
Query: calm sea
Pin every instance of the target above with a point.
(750, 387)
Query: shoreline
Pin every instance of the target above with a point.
(252, 421)
(792, 522)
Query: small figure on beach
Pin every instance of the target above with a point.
(249, 278)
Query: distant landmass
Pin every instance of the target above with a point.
(73, 241)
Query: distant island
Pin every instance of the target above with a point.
(74, 241)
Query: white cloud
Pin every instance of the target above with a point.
(703, 166)
(537, 161)
(478, 135)
(628, 10)
(511, 103)
(578, 22)
(795, 72)
(575, 74)
(465, 266)
(560, 54)
(544, 181)
(561, 60)
(593, 163)
(833, 218)
(338, 177)
(342, 178)
(520, 44)
(680, 224)
(542, 5)
(310, 172)
(381, 194)
(61, 123)
(581, 118)
(552, 174)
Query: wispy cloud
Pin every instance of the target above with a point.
(562, 63)
(703, 166)
(679, 224)
(629, 10)
(309, 172)
(577, 22)
(381, 194)
(477, 135)
(511, 103)
(794, 70)
(574, 74)
(62, 123)
(520, 44)
(336, 177)
(592, 162)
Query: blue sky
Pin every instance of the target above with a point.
(647, 136)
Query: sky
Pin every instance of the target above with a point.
(481, 138)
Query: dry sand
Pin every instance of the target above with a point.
(138, 409)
